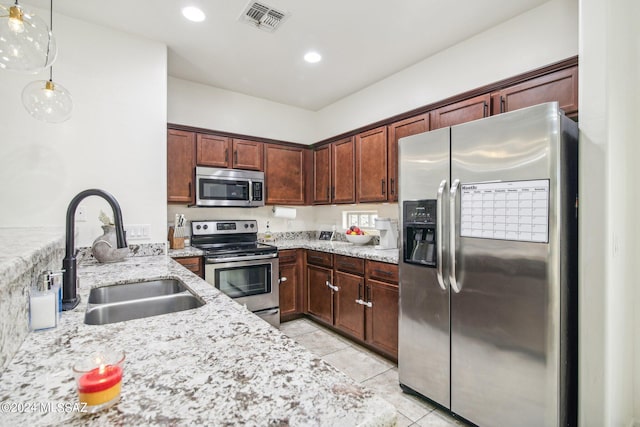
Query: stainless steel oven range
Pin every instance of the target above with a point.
(241, 267)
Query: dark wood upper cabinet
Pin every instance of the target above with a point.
(212, 150)
(285, 175)
(397, 130)
(371, 165)
(322, 175)
(461, 112)
(181, 161)
(343, 186)
(247, 154)
(561, 86)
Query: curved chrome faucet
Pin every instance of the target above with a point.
(69, 280)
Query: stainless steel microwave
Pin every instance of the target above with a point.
(229, 187)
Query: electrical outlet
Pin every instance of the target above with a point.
(138, 231)
(81, 214)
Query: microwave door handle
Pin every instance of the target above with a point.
(440, 234)
(250, 192)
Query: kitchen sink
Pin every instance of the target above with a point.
(117, 303)
(137, 290)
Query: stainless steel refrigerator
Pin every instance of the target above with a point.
(488, 268)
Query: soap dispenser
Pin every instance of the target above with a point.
(44, 302)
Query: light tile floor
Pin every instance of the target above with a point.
(369, 369)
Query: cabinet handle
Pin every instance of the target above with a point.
(226, 155)
(235, 157)
(485, 112)
(393, 187)
(368, 295)
(383, 187)
(502, 104)
(330, 286)
(282, 279)
(359, 291)
(386, 273)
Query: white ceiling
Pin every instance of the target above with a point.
(361, 41)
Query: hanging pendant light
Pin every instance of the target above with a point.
(26, 44)
(46, 100)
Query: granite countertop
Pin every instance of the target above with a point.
(342, 248)
(334, 247)
(20, 248)
(215, 365)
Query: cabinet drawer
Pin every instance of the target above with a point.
(193, 264)
(319, 258)
(349, 264)
(382, 271)
(287, 256)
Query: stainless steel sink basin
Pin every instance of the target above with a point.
(111, 304)
(137, 290)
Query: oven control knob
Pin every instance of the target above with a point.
(246, 226)
(252, 225)
(205, 226)
(198, 227)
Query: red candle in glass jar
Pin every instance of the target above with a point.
(100, 385)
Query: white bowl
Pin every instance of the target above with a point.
(362, 239)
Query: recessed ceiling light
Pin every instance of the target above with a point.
(193, 14)
(312, 57)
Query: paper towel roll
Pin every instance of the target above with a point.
(281, 212)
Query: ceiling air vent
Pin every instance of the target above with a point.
(262, 16)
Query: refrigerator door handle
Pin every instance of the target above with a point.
(440, 234)
(452, 237)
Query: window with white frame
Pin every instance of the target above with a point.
(361, 219)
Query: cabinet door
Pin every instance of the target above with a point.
(288, 290)
(181, 160)
(561, 86)
(461, 112)
(382, 316)
(397, 130)
(319, 295)
(343, 172)
(212, 151)
(349, 315)
(322, 175)
(371, 165)
(284, 175)
(247, 155)
(193, 264)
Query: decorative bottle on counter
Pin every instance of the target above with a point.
(267, 234)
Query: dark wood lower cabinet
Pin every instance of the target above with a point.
(192, 263)
(363, 309)
(349, 314)
(319, 295)
(382, 316)
(290, 290)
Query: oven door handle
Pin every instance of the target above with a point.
(233, 259)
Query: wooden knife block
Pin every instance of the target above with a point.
(175, 242)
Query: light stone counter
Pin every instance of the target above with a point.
(341, 248)
(215, 365)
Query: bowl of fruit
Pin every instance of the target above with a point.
(357, 236)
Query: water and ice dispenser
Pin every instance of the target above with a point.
(419, 232)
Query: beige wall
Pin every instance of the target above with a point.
(115, 139)
(609, 182)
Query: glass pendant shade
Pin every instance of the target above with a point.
(47, 101)
(26, 44)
